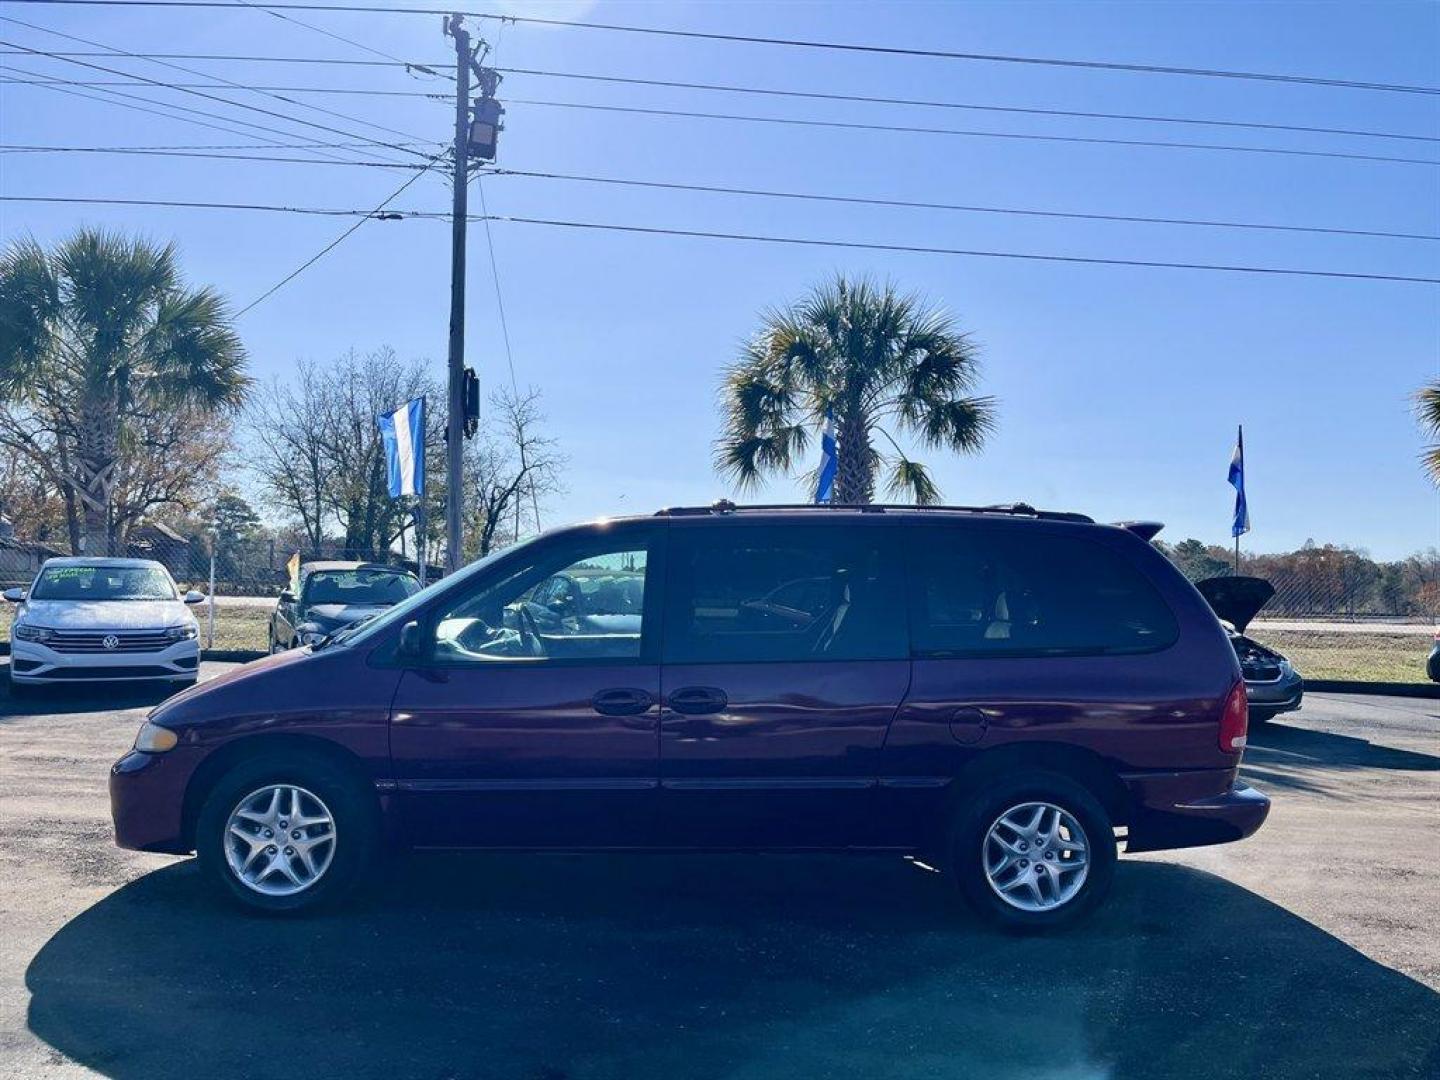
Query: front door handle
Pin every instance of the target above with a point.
(622, 701)
(697, 700)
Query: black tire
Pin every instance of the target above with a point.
(979, 812)
(356, 828)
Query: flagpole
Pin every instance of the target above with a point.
(420, 510)
(1237, 556)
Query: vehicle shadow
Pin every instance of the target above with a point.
(78, 698)
(1302, 759)
(579, 967)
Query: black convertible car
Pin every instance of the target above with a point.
(1272, 684)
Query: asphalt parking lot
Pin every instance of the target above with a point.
(1312, 950)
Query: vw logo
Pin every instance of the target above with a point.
(110, 641)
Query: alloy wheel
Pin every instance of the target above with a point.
(279, 840)
(1036, 856)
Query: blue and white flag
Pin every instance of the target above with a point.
(826, 485)
(1241, 524)
(403, 432)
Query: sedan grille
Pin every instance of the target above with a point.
(95, 641)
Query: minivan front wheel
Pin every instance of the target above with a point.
(285, 834)
(1033, 851)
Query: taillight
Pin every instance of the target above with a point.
(1234, 720)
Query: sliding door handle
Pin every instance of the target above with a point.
(622, 701)
(697, 700)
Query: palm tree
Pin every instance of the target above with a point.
(881, 363)
(1427, 408)
(98, 331)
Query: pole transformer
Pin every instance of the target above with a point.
(455, 420)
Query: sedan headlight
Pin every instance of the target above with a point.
(312, 637)
(26, 632)
(184, 632)
(154, 739)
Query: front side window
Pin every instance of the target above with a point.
(743, 594)
(103, 583)
(1022, 592)
(574, 601)
(359, 586)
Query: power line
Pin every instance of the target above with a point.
(9, 148)
(341, 37)
(434, 215)
(213, 97)
(914, 249)
(191, 71)
(336, 242)
(916, 130)
(801, 43)
(908, 204)
(228, 154)
(1305, 129)
(209, 123)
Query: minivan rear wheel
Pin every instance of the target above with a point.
(1033, 851)
(286, 833)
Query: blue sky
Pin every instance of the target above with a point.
(1120, 388)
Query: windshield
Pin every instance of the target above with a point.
(404, 611)
(103, 583)
(363, 586)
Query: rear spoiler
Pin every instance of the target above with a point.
(1146, 530)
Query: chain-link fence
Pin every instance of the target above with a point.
(1336, 613)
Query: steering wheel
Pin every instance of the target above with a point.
(529, 632)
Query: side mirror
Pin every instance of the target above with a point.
(15, 596)
(286, 596)
(410, 646)
(195, 596)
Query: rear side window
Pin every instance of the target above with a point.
(750, 594)
(1018, 592)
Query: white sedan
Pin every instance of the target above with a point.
(87, 620)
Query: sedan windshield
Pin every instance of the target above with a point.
(359, 587)
(103, 583)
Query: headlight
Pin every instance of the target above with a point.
(186, 632)
(312, 637)
(154, 739)
(26, 632)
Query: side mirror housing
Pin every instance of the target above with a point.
(410, 646)
(14, 596)
(195, 596)
(287, 596)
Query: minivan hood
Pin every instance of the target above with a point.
(1236, 599)
(106, 614)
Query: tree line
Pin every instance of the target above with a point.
(1325, 579)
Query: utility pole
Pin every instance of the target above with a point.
(455, 421)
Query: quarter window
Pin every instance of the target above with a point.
(1018, 592)
(743, 594)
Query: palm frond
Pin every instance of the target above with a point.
(29, 310)
(1427, 411)
(911, 480)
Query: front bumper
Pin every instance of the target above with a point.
(1276, 696)
(147, 800)
(37, 664)
(1173, 811)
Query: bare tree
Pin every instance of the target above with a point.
(510, 470)
(317, 452)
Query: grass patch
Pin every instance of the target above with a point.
(1362, 657)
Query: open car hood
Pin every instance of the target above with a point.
(1237, 600)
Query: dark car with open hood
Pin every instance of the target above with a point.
(1006, 693)
(1272, 684)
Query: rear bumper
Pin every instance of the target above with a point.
(1172, 812)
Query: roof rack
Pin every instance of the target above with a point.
(1019, 509)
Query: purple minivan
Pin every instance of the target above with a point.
(1005, 692)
